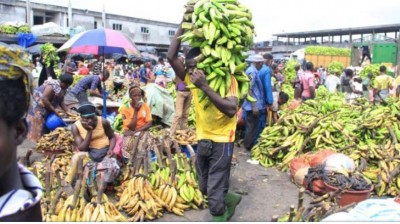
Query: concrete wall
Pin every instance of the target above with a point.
(158, 33)
(83, 20)
(59, 19)
(10, 13)
(12, 10)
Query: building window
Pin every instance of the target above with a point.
(117, 26)
(95, 25)
(171, 33)
(39, 20)
(144, 29)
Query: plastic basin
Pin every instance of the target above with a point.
(348, 197)
(53, 121)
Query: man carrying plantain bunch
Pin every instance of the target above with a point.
(215, 130)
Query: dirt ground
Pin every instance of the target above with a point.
(265, 192)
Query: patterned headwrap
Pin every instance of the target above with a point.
(15, 64)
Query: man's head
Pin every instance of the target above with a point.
(280, 67)
(370, 75)
(256, 59)
(283, 98)
(66, 80)
(190, 59)
(15, 91)
(161, 60)
(297, 67)
(88, 115)
(309, 66)
(105, 75)
(268, 59)
(382, 69)
(349, 73)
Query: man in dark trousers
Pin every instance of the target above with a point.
(366, 53)
(215, 129)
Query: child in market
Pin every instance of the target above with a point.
(280, 98)
(20, 191)
(356, 89)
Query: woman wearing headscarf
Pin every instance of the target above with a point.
(21, 191)
(136, 116)
(46, 99)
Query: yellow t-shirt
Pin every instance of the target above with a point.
(383, 82)
(211, 123)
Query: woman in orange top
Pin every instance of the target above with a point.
(136, 116)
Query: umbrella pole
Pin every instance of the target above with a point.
(104, 90)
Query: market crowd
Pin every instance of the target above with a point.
(24, 110)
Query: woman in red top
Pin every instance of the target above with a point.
(83, 70)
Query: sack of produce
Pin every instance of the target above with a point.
(319, 157)
(299, 169)
(297, 164)
(339, 162)
(300, 175)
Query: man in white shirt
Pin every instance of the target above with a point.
(332, 82)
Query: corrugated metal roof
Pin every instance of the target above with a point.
(343, 31)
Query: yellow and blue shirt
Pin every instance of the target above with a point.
(211, 123)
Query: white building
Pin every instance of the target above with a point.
(145, 33)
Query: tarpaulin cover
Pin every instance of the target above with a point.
(161, 103)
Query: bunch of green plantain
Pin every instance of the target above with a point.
(223, 31)
(187, 185)
(368, 134)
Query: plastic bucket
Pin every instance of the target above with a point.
(348, 197)
(53, 121)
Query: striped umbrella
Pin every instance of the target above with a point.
(100, 42)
